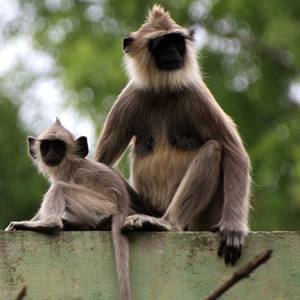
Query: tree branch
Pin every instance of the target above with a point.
(22, 293)
(243, 272)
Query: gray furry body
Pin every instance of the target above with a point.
(188, 162)
(84, 195)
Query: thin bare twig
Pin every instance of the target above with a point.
(22, 293)
(243, 272)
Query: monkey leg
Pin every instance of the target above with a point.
(142, 222)
(86, 209)
(197, 188)
(193, 195)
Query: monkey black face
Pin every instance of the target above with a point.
(53, 152)
(168, 51)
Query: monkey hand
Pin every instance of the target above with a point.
(13, 226)
(230, 245)
(141, 222)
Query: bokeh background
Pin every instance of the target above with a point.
(64, 58)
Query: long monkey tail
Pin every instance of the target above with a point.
(121, 246)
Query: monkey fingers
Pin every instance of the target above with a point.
(231, 246)
(13, 226)
(141, 222)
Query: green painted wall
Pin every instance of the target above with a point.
(80, 265)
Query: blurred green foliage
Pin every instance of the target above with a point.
(19, 181)
(250, 57)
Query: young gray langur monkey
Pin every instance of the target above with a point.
(188, 162)
(84, 194)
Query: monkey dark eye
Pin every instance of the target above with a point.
(179, 41)
(59, 146)
(45, 146)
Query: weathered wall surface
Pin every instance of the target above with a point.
(80, 265)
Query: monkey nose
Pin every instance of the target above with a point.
(171, 51)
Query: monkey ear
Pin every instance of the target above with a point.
(82, 148)
(126, 42)
(31, 141)
(192, 32)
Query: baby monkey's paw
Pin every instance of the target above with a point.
(13, 226)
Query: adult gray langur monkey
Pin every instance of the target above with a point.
(188, 162)
(84, 194)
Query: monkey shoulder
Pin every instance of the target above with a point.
(184, 119)
(92, 170)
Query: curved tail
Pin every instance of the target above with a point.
(121, 247)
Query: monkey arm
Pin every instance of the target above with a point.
(236, 191)
(117, 132)
(36, 217)
(70, 203)
(214, 124)
(40, 226)
(233, 225)
(48, 217)
(111, 145)
(235, 164)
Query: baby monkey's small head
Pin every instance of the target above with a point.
(161, 53)
(56, 147)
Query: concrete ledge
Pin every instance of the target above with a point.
(80, 265)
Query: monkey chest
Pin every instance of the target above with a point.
(165, 133)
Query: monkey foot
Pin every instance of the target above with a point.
(145, 223)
